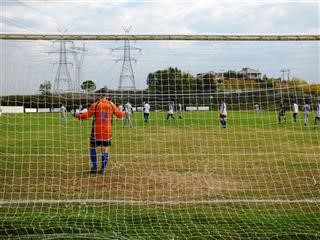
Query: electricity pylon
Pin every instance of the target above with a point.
(127, 79)
(63, 74)
(78, 56)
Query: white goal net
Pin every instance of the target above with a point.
(212, 139)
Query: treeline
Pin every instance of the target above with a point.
(175, 85)
(268, 99)
(174, 80)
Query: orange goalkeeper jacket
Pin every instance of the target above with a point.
(102, 111)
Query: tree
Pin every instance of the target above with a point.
(232, 74)
(270, 83)
(170, 80)
(207, 82)
(88, 86)
(295, 82)
(45, 88)
(312, 89)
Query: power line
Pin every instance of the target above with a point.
(36, 10)
(12, 22)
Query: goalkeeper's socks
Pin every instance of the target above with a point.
(93, 157)
(105, 157)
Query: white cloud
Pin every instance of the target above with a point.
(167, 17)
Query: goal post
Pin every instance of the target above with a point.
(219, 138)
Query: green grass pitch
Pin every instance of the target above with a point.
(162, 178)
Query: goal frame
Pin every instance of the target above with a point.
(163, 37)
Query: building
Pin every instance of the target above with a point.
(212, 74)
(250, 74)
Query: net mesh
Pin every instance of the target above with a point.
(189, 169)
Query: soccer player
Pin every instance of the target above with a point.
(282, 113)
(63, 111)
(121, 107)
(306, 110)
(102, 111)
(179, 110)
(170, 111)
(0, 111)
(223, 114)
(257, 108)
(128, 111)
(146, 111)
(295, 110)
(317, 117)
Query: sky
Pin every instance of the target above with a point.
(26, 64)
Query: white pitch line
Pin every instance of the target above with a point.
(167, 154)
(146, 202)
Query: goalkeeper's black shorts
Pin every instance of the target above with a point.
(94, 142)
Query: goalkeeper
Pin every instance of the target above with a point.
(102, 111)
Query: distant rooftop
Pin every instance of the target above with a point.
(249, 70)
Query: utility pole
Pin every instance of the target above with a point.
(127, 79)
(282, 74)
(288, 73)
(78, 60)
(62, 80)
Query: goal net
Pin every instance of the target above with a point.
(219, 139)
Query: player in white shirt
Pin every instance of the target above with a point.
(306, 110)
(128, 110)
(170, 111)
(295, 110)
(257, 108)
(223, 114)
(146, 111)
(0, 111)
(121, 107)
(317, 117)
(63, 111)
(179, 110)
